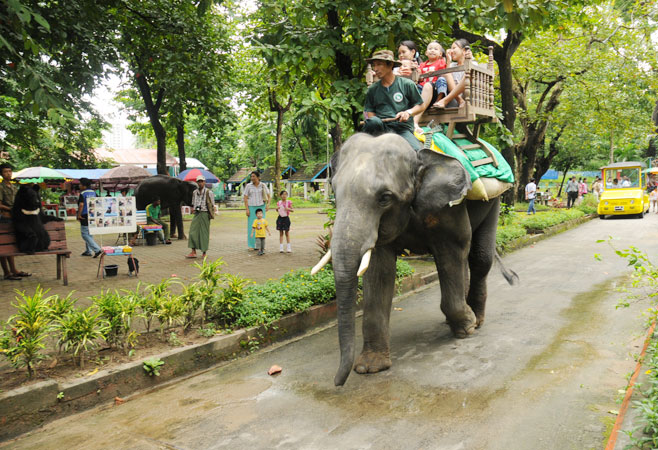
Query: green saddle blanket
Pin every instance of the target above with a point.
(503, 172)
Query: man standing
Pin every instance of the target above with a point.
(391, 97)
(7, 194)
(572, 192)
(153, 217)
(91, 247)
(530, 194)
(203, 203)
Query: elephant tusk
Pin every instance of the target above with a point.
(365, 262)
(323, 262)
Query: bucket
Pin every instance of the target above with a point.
(111, 270)
(151, 238)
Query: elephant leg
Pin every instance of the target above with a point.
(450, 250)
(176, 221)
(480, 261)
(378, 290)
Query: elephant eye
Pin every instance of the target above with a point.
(385, 198)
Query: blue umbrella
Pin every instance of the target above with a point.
(192, 174)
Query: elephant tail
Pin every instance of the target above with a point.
(511, 276)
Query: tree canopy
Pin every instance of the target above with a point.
(282, 82)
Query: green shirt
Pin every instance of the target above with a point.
(153, 211)
(387, 102)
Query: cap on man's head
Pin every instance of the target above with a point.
(201, 178)
(384, 55)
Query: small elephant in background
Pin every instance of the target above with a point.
(390, 198)
(172, 192)
(28, 219)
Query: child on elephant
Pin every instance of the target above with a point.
(431, 89)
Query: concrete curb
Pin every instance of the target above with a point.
(29, 407)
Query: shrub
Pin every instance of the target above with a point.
(316, 197)
(59, 306)
(150, 303)
(548, 219)
(171, 312)
(118, 310)
(222, 308)
(22, 339)
(589, 205)
(79, 330)
(508, 233)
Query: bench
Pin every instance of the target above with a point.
(57, 233)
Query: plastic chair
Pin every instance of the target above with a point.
(186, 210)
(62, 213)
(50, 212)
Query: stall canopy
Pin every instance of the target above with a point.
(76, 174)
(38, 174)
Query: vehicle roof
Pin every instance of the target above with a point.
(624, 164)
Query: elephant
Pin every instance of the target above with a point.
(391, 199)
(172, 192)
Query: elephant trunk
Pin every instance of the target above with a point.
(347, 253)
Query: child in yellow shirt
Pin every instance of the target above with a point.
(258, 229)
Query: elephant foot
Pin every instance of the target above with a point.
(372, 362)
(464, 327)
(479, 320)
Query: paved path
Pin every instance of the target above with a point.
(228, 240)
(542, 373)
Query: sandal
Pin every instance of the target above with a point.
(22, 274)
(191, 256)
(11, 276)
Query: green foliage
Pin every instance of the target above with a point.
(59, 306)
(172, 312)
(539, 222)
(506, 234)
(646, 435)
(22, 339)
(80, 330)
(588, 205)
(222, 308)
(149, 303)
(118, 310)
(152, 366)
(402, 269)
(208, 331)
(316, 197)
(506, 213)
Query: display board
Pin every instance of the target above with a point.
(112, 215)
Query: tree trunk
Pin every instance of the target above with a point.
(153, 111)
(336, 133)
(277, 160)
(566, 170)
(180, 143)
(275, 106)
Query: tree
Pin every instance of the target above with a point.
(177, 56)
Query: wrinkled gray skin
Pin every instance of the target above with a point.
(390, 198)
(172, 192)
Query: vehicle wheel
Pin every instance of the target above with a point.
(641, 215)
(601, 216)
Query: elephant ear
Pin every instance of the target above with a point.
(441, 180)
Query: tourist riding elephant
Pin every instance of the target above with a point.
(172, 192)
(390, 199)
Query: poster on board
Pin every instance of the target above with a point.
(112, 215)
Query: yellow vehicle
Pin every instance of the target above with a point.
(624, 190)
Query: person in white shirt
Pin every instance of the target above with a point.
(530, 194)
